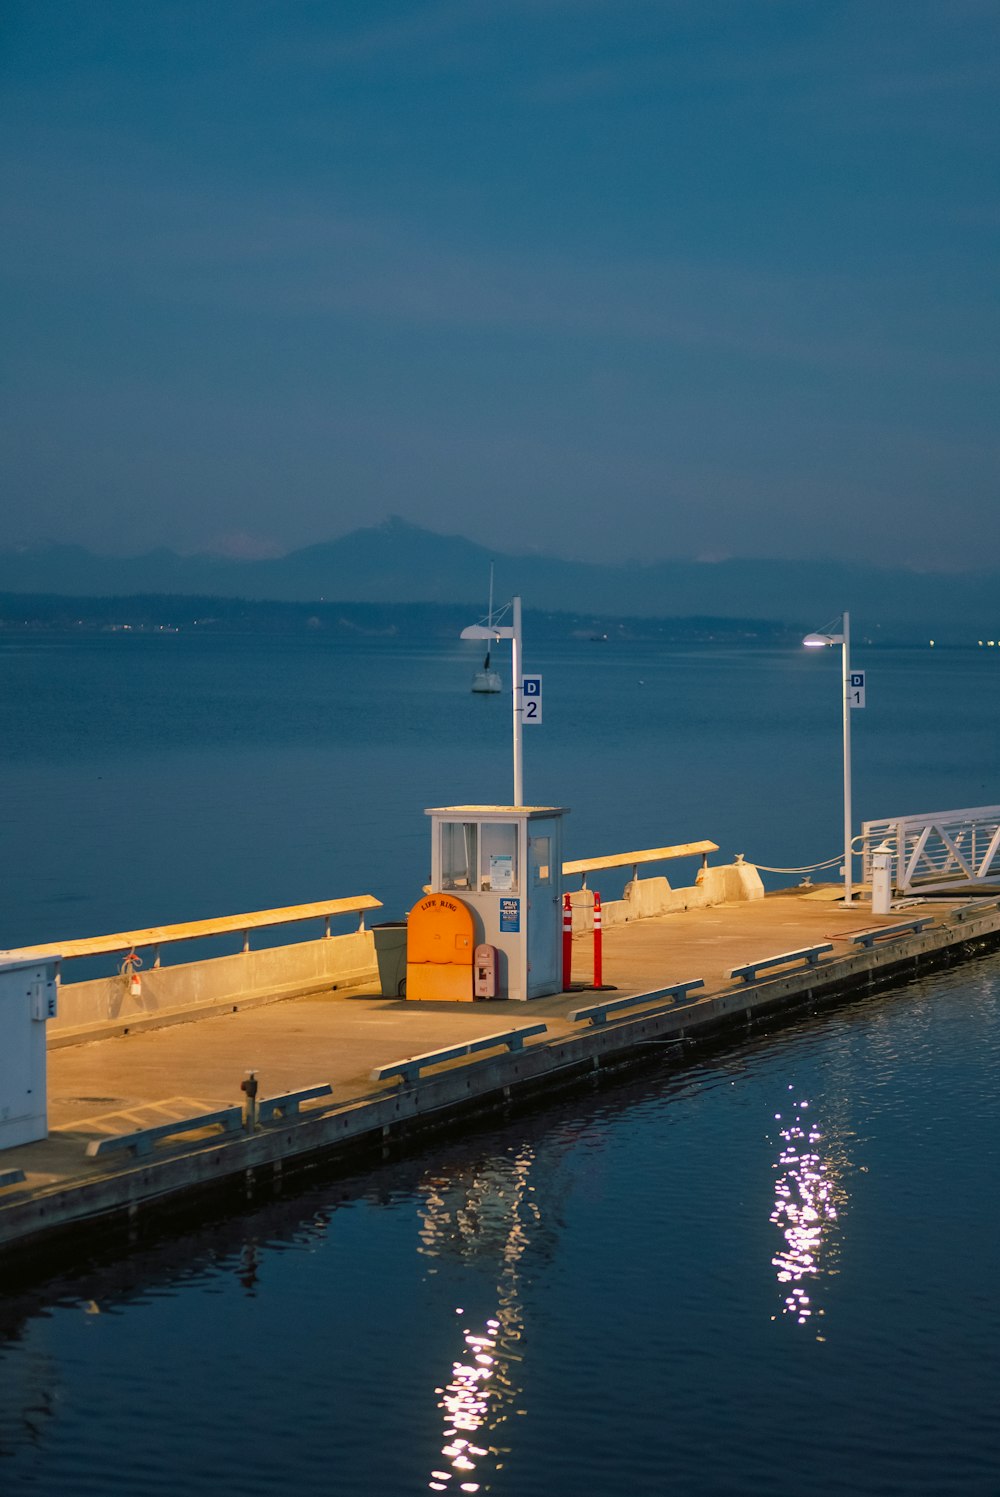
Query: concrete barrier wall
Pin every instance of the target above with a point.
(279, 971)
(730, 883)
(310, 966)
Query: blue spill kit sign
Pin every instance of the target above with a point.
(510, 915)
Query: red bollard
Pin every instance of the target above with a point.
(567, 964)
(598, 984)
(598, 943)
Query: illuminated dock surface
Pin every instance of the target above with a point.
(113, 1085)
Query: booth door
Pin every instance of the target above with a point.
(22, 1069)
(544, 975)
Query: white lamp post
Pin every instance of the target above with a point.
(513, 633)
(843, 639)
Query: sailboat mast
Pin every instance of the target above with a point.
(486, 665)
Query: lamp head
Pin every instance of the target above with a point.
(830, 634)
(486, 631)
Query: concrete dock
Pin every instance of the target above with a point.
(113, 1086)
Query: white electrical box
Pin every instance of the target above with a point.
(28, 996)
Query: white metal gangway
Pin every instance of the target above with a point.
(939, 851)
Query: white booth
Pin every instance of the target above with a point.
(505, 864)
(27, 999)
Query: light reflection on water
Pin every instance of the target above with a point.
(578, 1300)
(809, 1198)
(487, 1215)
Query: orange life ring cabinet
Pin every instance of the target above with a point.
(440, 945)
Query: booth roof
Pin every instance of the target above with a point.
(478, 813)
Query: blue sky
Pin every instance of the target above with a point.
(610, 280)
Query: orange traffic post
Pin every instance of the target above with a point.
(598, 942)
(598, 984)
(567, 952)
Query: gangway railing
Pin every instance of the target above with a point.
(938, 851)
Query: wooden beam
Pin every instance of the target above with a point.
(191, 930)
(649, 855)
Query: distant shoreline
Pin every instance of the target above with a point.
(165, 613)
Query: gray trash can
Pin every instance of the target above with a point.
(390, 952)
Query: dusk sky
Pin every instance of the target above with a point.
(603, 278)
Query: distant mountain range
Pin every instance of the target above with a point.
(395, 562)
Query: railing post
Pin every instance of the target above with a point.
(567, 943)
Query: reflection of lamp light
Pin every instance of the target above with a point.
(512, 632)
(808, 1194)
(466, 1402)
(487, 1215)
(816, 641)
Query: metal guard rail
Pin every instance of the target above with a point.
(938, 850)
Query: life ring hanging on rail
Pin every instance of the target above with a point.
(129, 971)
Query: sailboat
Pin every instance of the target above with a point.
(488, 679)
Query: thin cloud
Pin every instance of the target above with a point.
(289, 256)
(431, 25)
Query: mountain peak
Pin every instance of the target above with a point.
(395, 561)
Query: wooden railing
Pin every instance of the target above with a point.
(633, 860)
(155, 936)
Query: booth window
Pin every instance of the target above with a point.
(498, 858)
(458, 854)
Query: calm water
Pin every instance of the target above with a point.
(152, 779)
(770, 1270)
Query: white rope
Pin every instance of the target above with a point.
(809, 867)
